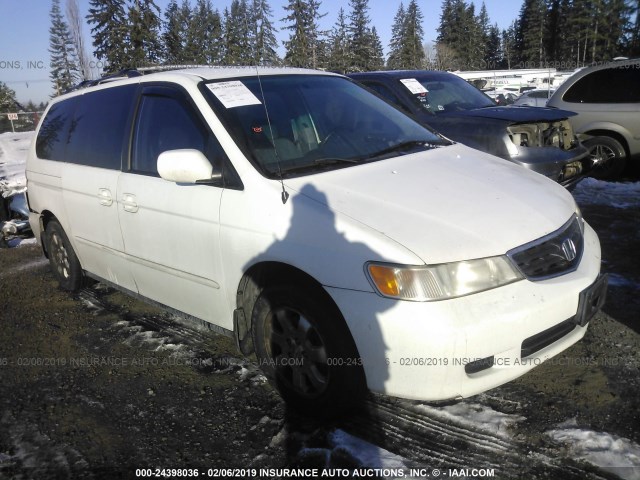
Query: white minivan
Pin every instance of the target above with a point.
(346, 245)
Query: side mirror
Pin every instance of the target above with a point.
(185, 166)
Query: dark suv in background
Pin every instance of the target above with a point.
(606, 99)
(540, 139)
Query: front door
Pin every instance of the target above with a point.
(171, 231)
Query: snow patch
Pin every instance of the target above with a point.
(615, 194)
(481, 417)
(609, 452)
(14, 148)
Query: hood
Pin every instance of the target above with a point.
(514, 114)
(447, 204)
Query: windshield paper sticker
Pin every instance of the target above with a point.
(233, 94)
(413, 85)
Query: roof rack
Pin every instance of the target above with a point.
(137, 72)
(129, 73)
(125, 73)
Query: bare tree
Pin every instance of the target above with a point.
(74, 20)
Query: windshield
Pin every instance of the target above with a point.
(312, 123)
(446, 94)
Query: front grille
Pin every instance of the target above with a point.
(552, 255)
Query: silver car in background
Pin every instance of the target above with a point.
(534, 98)
(606, 99)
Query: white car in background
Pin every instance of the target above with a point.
(534, 98)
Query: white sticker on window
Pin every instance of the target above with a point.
(233, 94)
(414, 85)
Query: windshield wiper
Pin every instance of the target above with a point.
(330, 160)
(403, 146)
(319, 164)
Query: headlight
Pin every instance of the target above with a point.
(439, 282)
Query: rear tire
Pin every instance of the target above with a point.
(62, 258)
(306, 350)
(608, 157)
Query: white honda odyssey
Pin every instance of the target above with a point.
(346, 245)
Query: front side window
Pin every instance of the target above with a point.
(164, 123)
(298, 124)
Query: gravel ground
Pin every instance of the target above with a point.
(97, 385)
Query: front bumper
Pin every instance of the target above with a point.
(567, 167)
(421, 350)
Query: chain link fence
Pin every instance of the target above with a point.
(19, 121)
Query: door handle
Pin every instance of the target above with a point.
(104, 197)
(129, 203)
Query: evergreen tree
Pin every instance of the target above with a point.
(191, 33)
(459, 34)
(214, 44)
(406, 50)
(412, 49)
(394, 61)
(264, 34)
(531, 33)
(633, 29)
(109, 32)
(173, 35)
(238, 34)
(144, 46)
(64, 67)
(7, 99)
(483, 30)
(377, 53)
(305, 47)
(8, 104)
(339, 54)
(509, 55)
(360, 36)
(493, 53)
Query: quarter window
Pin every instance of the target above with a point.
(611, 85)
(52, 136)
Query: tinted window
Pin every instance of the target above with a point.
(384, 91)
(99, 127)
(164, 123)
(539, 94)
(52, 136)
(612, 85)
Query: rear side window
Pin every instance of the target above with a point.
(612, 85)
(52, 136)
(99, 127)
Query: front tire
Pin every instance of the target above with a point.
(608, 157)
(306, 350)
(62, 258)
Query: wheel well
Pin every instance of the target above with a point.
(612, 134)
(253, 282)
(45, 217)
